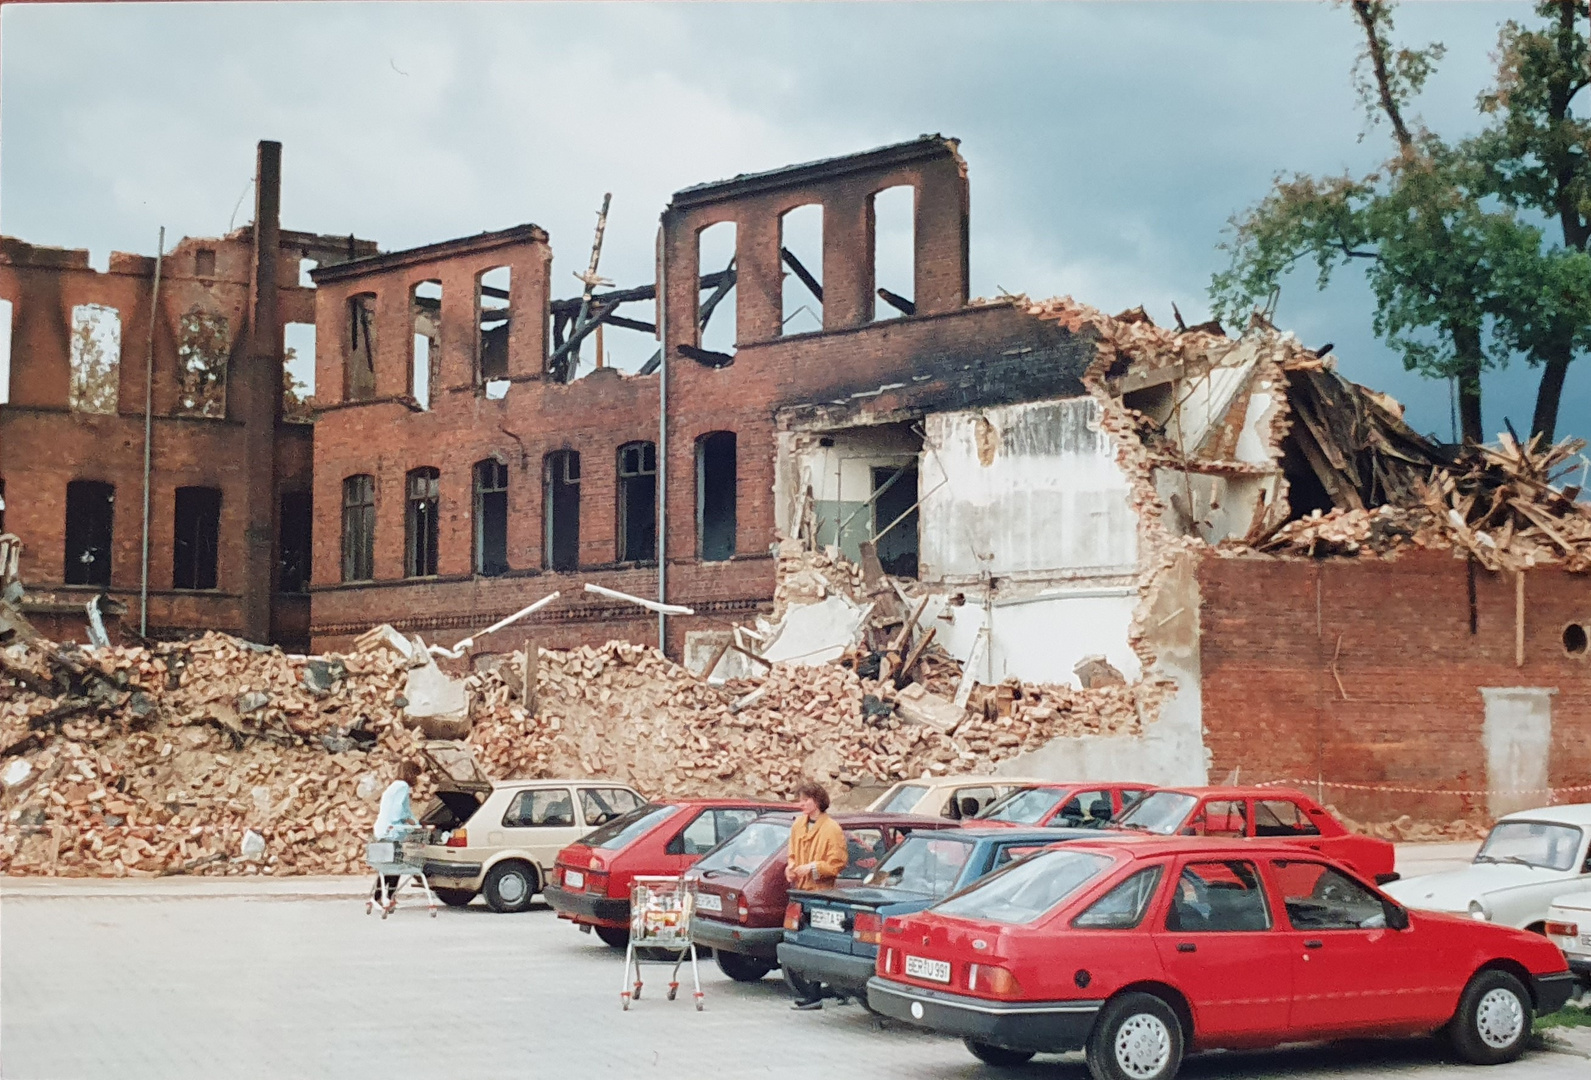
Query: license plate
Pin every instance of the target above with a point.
(709, 902)
(573, 879)
(1585, 939)
(825, 919)
(920, 967)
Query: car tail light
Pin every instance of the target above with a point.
(595, 863)
(597, 883)
(886, 961)
(995, 981)
(867, 927)
(460, 838)
(1563, 929)
(742, 912)
(792, 916)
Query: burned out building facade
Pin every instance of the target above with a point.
(1055, 494)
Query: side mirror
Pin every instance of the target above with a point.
(1397, 917)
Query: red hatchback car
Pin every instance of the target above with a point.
(741, 892)
(591, 882)
(1273, 813)
(1139, 952)
(1063, 805)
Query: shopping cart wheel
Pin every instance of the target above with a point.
(433, 913)
(385, 911)
(673, 989)
(369, 905)
(626, 998)
(698, 1001)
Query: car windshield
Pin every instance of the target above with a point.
(621, 830)
(924, 863)
(903, 799)
(1028, 888)
(747, 849)
(1158, 812)
(1026, 806)
(1531, 843)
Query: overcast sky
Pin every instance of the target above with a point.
(1107, 143)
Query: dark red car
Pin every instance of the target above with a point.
(741, 892)
(1077, 805)
(591, 880)
(1272, 813)
(1139, 952)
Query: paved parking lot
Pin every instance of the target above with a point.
(219, 978)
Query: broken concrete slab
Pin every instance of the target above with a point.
(818, 633)
(921, 706)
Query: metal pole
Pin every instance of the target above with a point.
(149, 420)
(662, 440)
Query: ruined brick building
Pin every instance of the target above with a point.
(1059, 488)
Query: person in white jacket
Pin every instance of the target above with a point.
(395, 818)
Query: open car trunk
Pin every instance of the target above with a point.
(461, 785)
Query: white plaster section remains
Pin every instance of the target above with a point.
(1517, 734)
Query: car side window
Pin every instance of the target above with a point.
(1281, 817)
(601, 805)
(698, 838)
(1218, 897)
(540, 808)
(1086, 808)
(863, 850)
(731, 822)
(1320, 898)
(1219, 817)
(1128, 797)
(1006, 854)
(967, 801)
(1124, 906)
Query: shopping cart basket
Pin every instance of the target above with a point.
(660, 922)
(404, 859)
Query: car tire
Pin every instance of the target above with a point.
(455, 897)
(801, 988)
(614, 937)
(997, 1055)
(1493, 1021)
(1136, 1037)
(742, 968)
(510, 886)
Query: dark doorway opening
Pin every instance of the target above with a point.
(895, 510)
(294, 542)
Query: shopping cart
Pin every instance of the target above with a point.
(404, 859)
(660, 922)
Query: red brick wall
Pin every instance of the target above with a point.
(1409, 711)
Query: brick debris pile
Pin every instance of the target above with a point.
(216, 756)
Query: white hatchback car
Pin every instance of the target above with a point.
(956, 797)
(1530, 858)
(1569, 927)
(505, 844)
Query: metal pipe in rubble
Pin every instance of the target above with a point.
(662, 443)
(660, 608)
(149, 421)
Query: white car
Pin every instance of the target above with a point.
(1569, 927)
(1529, 859)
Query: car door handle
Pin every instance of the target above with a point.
(1312, 944)
(1187, 946)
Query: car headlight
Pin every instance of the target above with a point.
(1477, 910)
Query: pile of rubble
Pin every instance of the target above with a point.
(218, 756)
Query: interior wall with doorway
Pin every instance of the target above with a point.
(863, 482)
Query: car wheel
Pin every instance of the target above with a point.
(742, 968)
(1493, 1020)
(1136, 1037)
(510, 886)
(454, 897)
(997, 1055)
(615, 937)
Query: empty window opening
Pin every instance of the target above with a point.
(423, 487)
(715, 261)
(90, 506)
(860, 480)
(561, 500)
(96, 358)
(638, 502)
(5, 351)
(204, 341)
(894, 252)
(298, 370)
(801, 255)
(492, 318)
(293, 546)
(204, 263)
(425, 309)
(715, 495)
(195, 544)
(1574, 639)
(359, 527)
(304, 268)
(491, 518)
(359, 340)
(895, 519)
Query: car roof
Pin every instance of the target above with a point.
(1086, 783)
(1233, 791)
(1029, 833)
(1148, 846)
(732, 804)
(1568, 814)
(935, 782)
(498, 785)
(858, 818)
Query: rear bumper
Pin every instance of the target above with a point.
(1581, 966)
(1552, 992)
(759, 941)
(1026, 1025)
(452, 875)
(841, 973)
(582, 907)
